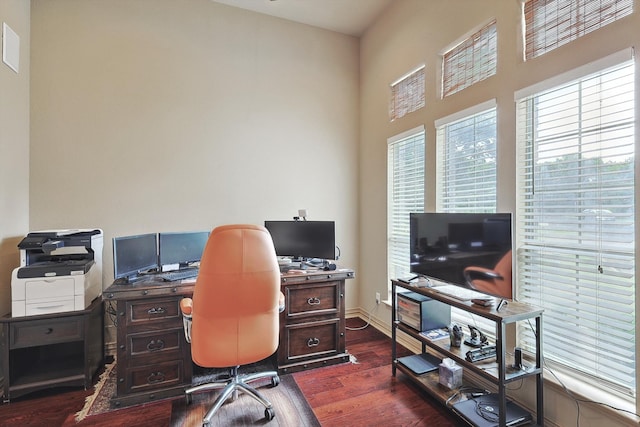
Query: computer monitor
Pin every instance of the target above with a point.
(303, 239)
(134, 254)
(181, 248)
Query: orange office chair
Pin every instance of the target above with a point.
(233, 318)
(496, 282)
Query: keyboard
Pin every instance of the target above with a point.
(482, 353)
(185, 273)
(457, 292)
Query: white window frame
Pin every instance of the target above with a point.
(448, 177)
(405, 194)
(534, 242)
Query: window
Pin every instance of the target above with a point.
(471, 61)
(405, 194)
(467, 160)
(407, 94)
(466, 174)
(576, 219)
(552, 23)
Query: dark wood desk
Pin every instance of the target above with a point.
(154, 359)
(312, 326)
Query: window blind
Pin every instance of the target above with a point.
(467, 163)
(552, 23)
(405, 194)
(466, 175)
(407, 94)
(471, 61)
(576, 223)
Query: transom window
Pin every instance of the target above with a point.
(552, 23)
(407, 94)
(472, 60)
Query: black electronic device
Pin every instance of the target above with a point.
(484, 411)
(517, 354)
(133, 255)
(477, 338)
(181, 248)
(450, 247)
(421, 363)
(303, 240)
(482, 353)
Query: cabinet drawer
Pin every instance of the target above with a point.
(150, 377)
(154, 344)
(145, 312)
(312, 339)
(312, 299)
(43, 332)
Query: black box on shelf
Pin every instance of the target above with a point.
(422, 313)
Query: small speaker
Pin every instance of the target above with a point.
(517, 363)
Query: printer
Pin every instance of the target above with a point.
(60, 270)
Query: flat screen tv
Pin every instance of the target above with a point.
(470, 250)
(181, 248)
(133, 255)
(303, 240)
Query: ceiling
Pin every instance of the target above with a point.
(351, 17)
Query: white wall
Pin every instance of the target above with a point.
(158, 115)
(14, 147)
(414, 32)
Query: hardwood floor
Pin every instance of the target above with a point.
(361, 394)
(365, 394)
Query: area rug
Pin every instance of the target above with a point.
(292, 409)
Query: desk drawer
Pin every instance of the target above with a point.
(146, 312)
(43, 332)
(312, 339)
(154, 344)
(150, 377)
(312, 299)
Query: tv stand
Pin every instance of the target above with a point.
(494, 369)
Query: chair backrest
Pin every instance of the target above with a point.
(235, 301)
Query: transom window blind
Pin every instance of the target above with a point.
(576, 222)
(405, 193)
(467, 163)
(552, 23)
(407, 94)
(471, 61)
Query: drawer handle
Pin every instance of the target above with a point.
(155, 377)
(313, 301)
(155, 345)
(48, 331)
(313, 342)
(157, 310)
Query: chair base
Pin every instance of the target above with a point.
(230, 388)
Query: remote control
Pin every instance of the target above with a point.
(482, 301)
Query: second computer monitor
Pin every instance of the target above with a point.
(182, 248)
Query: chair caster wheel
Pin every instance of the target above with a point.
(269, 414)
(275, 381)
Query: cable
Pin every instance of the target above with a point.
(569, 393)
(360, 328)
(111, 312)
